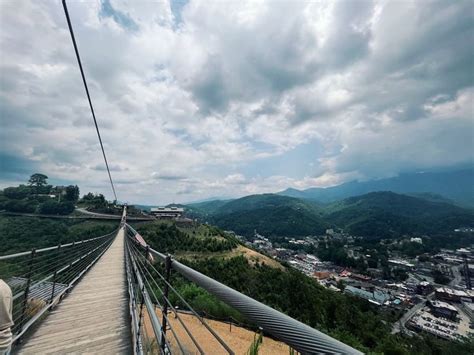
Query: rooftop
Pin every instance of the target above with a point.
(441, 304)
(167, 209)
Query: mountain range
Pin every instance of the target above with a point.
(382, 214)
(456, 185)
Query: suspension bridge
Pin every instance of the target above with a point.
(113, 294)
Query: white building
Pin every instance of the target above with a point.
(167, 212)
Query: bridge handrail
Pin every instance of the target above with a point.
(24, 253)
(132, 271)
(39, 282)
(67, 265)
(298, 335)
(59, 295)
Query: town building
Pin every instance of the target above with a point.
(443, 309)
(449, 294)
(375, 296)
(401, 263)
(167, 212)
(424, 288)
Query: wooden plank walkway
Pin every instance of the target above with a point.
(94, 318)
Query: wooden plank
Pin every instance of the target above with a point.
(94, 318)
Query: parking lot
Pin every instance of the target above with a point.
(442, 327)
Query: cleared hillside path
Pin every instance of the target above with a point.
(94, 318)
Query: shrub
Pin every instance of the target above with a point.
(20, 206)
(53, 207)
(17, 193)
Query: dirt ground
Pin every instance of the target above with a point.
(252, 255)
(237, 338)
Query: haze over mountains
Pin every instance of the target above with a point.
(456, 185)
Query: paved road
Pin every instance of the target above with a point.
(457, 275)
(83, 210)
(406, 317)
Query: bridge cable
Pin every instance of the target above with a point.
(87, 92)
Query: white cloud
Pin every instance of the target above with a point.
(381, 86)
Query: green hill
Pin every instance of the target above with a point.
(270, 215)
(207, 207)
(389, 214)
(376, 214)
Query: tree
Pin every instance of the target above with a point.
(400, 274)
(38, 180)
(72, 193)
(341, 285)
(88, 197)
(53, 207)
(17, 193)
(20, 206)
(440, 278)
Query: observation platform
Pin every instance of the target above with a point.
(92, 319)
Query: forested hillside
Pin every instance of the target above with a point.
(387, 214)
(24, 233)
(270, 215)
(377, 214)
(349, 319)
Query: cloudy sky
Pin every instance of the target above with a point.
(226, 98)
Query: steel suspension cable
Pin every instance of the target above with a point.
(299, 336)
(88, 95)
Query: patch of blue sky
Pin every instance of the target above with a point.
(177, 9)
(15, 167)
(107, 10)
(296, 163)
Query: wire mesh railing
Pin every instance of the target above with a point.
(39, 278)
(157, 325)
(149, 272)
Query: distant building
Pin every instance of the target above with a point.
(464, 229)
(283, 253)
(377, 297)
(449, 294)
(424, 288)
(167, 212)
(443, 309)
(462, 251)
(401, 263)
(345, 273)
